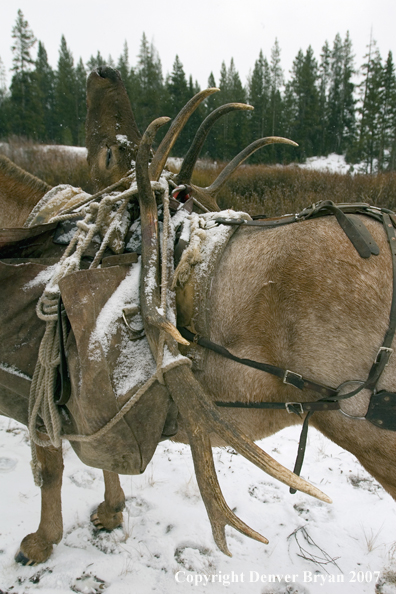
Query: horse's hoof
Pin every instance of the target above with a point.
(23, 560)
(102, 519)
(34, 549)
(96, 522)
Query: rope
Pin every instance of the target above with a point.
(192, 255)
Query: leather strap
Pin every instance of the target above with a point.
(288, 377)
(301, 449)
(386, 350)
(291, 407)
(353, 228)
(63, 387)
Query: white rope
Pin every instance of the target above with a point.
(192, 255)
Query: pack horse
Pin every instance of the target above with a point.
(114, 339)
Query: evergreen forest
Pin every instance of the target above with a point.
(328, 104)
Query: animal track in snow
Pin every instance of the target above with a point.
(195, 558)
(265, 492)
(7, 464)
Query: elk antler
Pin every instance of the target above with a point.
(186, 170)
(149, 292)
(162, 152)
(208, 195)
(199, 413)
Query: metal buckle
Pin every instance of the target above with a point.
(136, 334)
(296, 375)
(383, 349)
(300, 409)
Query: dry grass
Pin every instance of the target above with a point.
(257, 189)
(53, 164)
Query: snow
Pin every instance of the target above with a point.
(165, 544)
(42, 277)
(14, 371)
(126, 295)
(332, 163)
(78, 150)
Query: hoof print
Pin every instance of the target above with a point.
(195, 558)
(88, 583)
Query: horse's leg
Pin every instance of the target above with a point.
(109, 513)
(37, 547)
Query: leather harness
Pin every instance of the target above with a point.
(382, 407)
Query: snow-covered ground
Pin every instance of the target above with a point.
(332, 163)
(166, 546)
(80, 150)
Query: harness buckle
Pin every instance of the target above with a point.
(295, 377)
(383, 350)
(290, 408)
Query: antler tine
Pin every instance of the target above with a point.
(200, 417)
(217, 509)
(216, 186)
(186, 170)
(195, 405)
(162, 153)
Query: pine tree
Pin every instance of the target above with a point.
(324, 83)
(232, 130)
(177, 88)
(23, 101)
(110, 62)
(125, 70)
(370, 108)
(80, 101)
(390, 111)
(277, 81)
(45, 80)
(24, 40)
(149, 85)
(335, 124)
(65, 97)
(177, 96)
(95, 62)
(259, 92)
(289, 114)
(210, 148)
(387, 113)
(348, 100)
(303, 86)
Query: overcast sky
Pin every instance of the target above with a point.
(203, 33)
